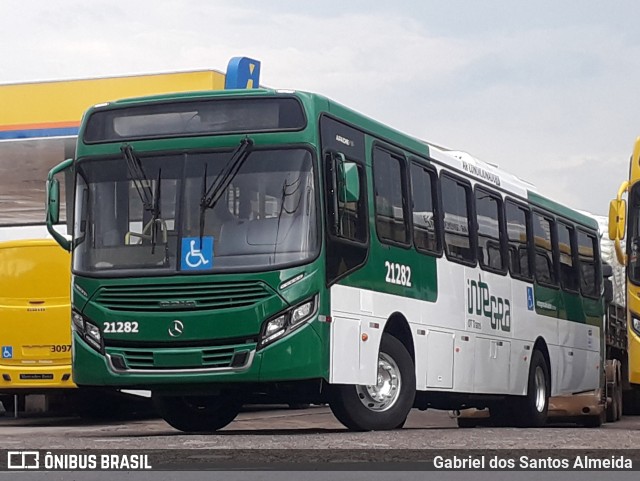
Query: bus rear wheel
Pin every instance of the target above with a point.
(534, 407)
(614, 388)
(196, 414)
(386, 404)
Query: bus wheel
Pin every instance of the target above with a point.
(614, 390)
(594, 421)
(386, 404)
(196, 413)
(618, 399)
(467, 423)
(534, 406)
(631, 402)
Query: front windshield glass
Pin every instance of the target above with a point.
(264, 218)
(634, 234)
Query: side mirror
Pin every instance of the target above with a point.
(349, 181)
(53, 201)
(617, 218)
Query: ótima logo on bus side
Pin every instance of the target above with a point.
(481, 303)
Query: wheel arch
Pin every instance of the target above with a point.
(398, 326)
(541, 345)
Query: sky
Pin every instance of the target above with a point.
(547, 90)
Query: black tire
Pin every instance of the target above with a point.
(467, 423)
(613, 413)
(593, 421)
(196, 414)
(503, 415)
(618, 399)
(614, 408)
(534, 407)
(631, 402)
(353, 405)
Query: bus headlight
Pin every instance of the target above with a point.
(635, 323)
(275, 328)
(77, 322)
(287, 321)
(89, 332)
(302, 312)
(93, 335)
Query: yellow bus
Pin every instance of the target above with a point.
(35, 339)
(627, 250)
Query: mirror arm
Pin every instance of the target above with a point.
(623, 188)
(620, 255)
(59, 238)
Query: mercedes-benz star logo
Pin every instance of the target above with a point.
(176, 328)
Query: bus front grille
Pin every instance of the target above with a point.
(196, 359)
(182, 297)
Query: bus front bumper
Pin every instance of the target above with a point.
(297, 356)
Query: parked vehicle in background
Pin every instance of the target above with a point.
(35, 309)
(624, 230)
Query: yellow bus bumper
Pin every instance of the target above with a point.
(35, 377)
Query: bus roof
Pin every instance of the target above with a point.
(457, 160)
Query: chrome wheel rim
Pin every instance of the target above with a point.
(383, 395)
(540, 389)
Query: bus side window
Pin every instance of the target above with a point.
(456, 205)
(544, 263)
(489, 222)
(426, 229)
(569, 277)
(587, 249)
(517, 218)
(390, 197)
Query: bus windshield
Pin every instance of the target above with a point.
(634, 234)
(264, 217)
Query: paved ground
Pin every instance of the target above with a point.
(313, 428)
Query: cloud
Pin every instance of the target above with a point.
(547, 91)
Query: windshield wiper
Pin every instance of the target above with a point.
(155, 214)
(212, 194)
(150, 200)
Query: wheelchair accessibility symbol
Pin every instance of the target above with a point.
(196, 256)
(7, 352)
(530, 298)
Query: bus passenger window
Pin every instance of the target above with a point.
(455, 204)
(391, 222)
(488, 214)
(587, 250)
(544, 265)
(569, 277)
(518, 235)
(425, 233)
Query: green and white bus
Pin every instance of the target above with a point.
(228, 244)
